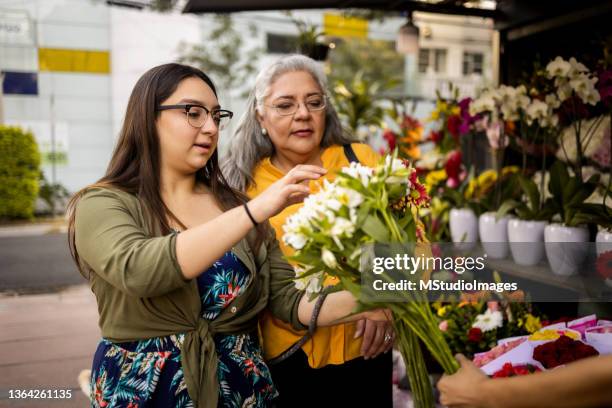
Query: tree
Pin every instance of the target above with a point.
(376, 59)
(222, 55)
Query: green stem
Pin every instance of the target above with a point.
(607, 193)
(524, 146)
(577, 128)
(543, 171)
(415, 366)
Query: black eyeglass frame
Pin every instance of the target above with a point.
(187, 106)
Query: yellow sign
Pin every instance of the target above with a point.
(336, 25)
(66, 60)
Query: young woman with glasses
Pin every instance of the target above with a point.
(289, 122)
(180, 263)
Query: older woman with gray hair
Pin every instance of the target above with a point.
(290, 121)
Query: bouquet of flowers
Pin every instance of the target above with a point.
(331, 231)
(509, 370)
(475, 327)
(564, 350)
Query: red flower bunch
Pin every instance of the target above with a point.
(453, 123)
(564, 350)
(509, 370)
(475, 334)
(454, 169)
(604, 265)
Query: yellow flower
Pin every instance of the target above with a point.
(509, 170)
(455, 110)
(550, 334)
(433, 178)
(469, 191)
(486, 180)
(442, 311)
(481, 184)
(532, 323)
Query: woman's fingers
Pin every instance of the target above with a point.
(299, 176)
(369, 333)
(309, 167)
(379, 339)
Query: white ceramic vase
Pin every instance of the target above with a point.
(603, 241)
(526, 241)
(463, 228)
(565, 248)
(494, 235)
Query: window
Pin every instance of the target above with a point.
(472, 63)
(281, 44)
(432, 60)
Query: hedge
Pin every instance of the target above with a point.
(19, 172)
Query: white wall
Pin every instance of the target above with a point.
(81, 101)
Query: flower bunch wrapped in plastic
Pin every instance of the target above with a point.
(361, 207)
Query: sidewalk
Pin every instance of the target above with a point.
(37, 228)
(45, 341)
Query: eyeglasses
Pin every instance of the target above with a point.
(198, 114)
(313, 103)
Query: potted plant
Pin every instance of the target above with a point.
(309, 42)
(572, 214)
(526, 232)
(463, 220)
(493, 230)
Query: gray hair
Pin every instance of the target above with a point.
(249, 145)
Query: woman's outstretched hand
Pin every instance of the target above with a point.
(291, 189)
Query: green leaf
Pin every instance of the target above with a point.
(531, 190)
(375, 228)
(506, 208)
(570, 190)
(559, 178)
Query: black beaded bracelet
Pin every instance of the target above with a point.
(246, 208)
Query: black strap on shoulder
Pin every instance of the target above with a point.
(350, 153)
(311, 329)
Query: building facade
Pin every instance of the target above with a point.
(69, 66)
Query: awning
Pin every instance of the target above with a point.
(444, 7)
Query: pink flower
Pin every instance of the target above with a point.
(443, 326)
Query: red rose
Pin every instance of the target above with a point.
(564, 350)
(521, 370)
(506, 371)
(475, 334)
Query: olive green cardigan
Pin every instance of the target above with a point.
(141, 291)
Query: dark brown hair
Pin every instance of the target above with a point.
(135, 164)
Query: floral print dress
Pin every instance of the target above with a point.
(148, 373)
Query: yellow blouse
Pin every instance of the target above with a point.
(329, 345)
